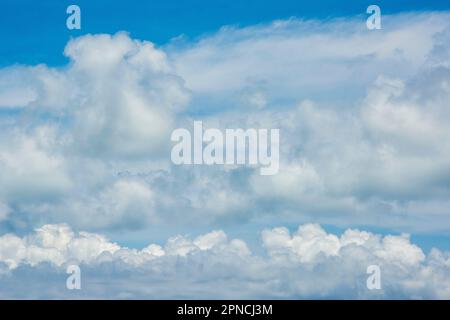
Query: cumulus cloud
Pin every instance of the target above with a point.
(118, 94)
(59, 245)
(89, 143)
(307, 263)
(77, 128)
(370, 158)
(311, 241)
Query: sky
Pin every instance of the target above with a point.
(86, 119)
(39, 35)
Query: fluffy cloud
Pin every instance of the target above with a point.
(311, 241)
(78, 128)
(59, 245)
(118, 95)
(88, 144)
(376, 159)
(308, 263)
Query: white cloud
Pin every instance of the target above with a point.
(311, 241)
(59, 245)
(29, 172)
(119, 95)
(308, 263)
(296, 59)
(88, 144)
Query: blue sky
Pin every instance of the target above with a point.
(35, 31)
(86, 118)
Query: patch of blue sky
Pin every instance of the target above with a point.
(34, 32)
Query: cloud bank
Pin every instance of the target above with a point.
(307, 263)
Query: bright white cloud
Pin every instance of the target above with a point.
(308, 263)
(59, 245)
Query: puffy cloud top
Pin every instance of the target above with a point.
(308, 263)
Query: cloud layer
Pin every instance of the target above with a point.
(307, 263)
(363, 118)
